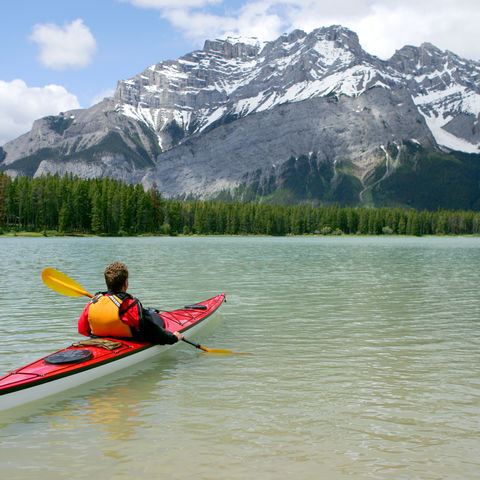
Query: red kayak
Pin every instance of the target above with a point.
(93, 358)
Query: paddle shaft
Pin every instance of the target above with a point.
(196, 345)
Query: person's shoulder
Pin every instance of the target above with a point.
(128, 299)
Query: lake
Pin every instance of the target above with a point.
(366, 360)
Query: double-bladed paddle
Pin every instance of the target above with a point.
(60, 283)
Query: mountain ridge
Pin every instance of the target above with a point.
(237, 110)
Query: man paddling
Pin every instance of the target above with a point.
(116, 313)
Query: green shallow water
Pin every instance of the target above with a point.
(366, 361)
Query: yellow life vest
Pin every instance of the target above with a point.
(104, 317)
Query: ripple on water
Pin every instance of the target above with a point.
(366, 360)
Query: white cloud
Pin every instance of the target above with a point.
(383, 26)
(61, 48)
(20, 105)
(253, 20)
(387, 26)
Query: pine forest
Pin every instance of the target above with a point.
(69, 205)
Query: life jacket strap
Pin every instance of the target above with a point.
(115, 300)
(121, 312)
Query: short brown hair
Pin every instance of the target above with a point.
(116, 274)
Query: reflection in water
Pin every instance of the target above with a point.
(114, 410)
(117, 412)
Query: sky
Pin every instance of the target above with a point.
(57, 55)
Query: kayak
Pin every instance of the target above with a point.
(95, 357)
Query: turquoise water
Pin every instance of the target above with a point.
(366, 361)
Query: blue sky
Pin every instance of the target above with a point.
(63, 54)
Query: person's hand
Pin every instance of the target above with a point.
(178, 335)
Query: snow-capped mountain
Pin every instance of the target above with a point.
(238, 79)
(446, 90)
(237, 112)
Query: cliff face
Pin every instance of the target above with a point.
(238, 111)
(334, 129)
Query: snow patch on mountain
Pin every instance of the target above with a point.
(440, 107)
(446, 139)
(330, 53)
(245, 40)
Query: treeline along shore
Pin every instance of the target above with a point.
(70, 205)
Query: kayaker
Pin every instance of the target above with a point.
(116, 313)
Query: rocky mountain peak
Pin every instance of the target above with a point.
(340, 35)
(239, 109)
(427, 58)
(233, 47)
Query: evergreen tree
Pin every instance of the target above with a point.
(3, 199)
(97, 212)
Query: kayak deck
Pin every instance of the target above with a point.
(99, 359)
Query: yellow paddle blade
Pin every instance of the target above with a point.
(220, 351)
(212, 350)
(60, 283)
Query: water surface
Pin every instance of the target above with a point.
(366, 365)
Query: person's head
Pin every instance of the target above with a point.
(116, 276)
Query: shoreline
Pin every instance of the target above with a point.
(152, 235)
